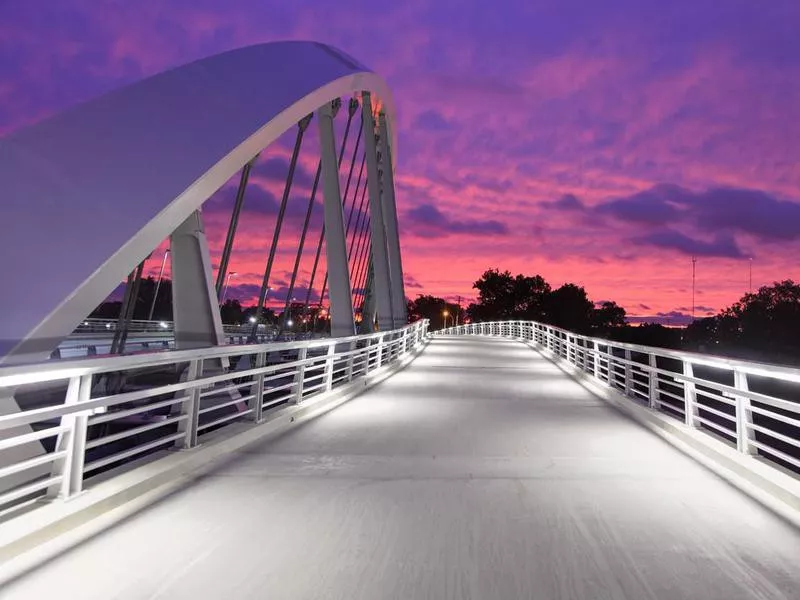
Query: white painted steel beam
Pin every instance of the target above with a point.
(340, 293)
(389, 206)
(382, 285)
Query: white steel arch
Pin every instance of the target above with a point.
(88, 193)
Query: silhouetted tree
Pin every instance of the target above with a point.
(570, 308)
(502, 296)
(606, 318)
(433, 308)
(764, 326)
(232, 312)
(163, 307)
(648, 334)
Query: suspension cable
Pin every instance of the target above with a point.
(322, 232)
(262, 296)
(353, 106)
(365, 247)
(237, 209)
(300, 246)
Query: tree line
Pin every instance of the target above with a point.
(503, 296)
(764, 325)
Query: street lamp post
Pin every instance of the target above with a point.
(225, 289)
(158, 285)
(694, 267)
(445, 313)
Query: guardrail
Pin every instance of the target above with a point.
(95, 325)
(94, 336)
(103, 412)
(754, 407)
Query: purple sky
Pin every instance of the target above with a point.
(601, 143)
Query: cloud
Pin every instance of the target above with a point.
(276, 168)
(673, 317)
(257, 199)
(721, 246)
(411, 283)
(650, 206)
(433, 120)
(673, 217)
(430, 221)
(567, 203)
(735, 210)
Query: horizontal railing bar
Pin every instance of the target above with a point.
(27, 490)
(773, 415)
(719, 413)
(224, 419)
(715, 426)
(226, 404)
(102, 462)
(778, 436)
(776, 453)
(275, 401)
(121, 414)
(31, 463)
(133, 431)
(27, 438)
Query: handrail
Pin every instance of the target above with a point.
(721, 402)
(170, 399)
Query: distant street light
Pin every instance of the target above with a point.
(694, 268)
(252, 319)
(444, 318)
(225, 289)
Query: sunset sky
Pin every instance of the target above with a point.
(600, 143)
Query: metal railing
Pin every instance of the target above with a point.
(754, 407)
(95, 414)
(94, 337)
(94, 325)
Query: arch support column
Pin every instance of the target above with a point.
(399, 307)
(342, 323)
(194, 299)
(382, 284)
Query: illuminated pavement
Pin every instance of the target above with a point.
(481, 471)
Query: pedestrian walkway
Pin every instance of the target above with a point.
(479, 472)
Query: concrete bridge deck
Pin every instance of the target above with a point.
(481, 471)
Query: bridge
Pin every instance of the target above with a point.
(506, 459)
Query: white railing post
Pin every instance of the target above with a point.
(72, 442)
(299, 375)
(628, 374)
(690, 396)
(379, 362)
(744, 416)
(351, 356)
(596, 360)
(329, 367)
(190, 408)
(257, 401)
(652, 388)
